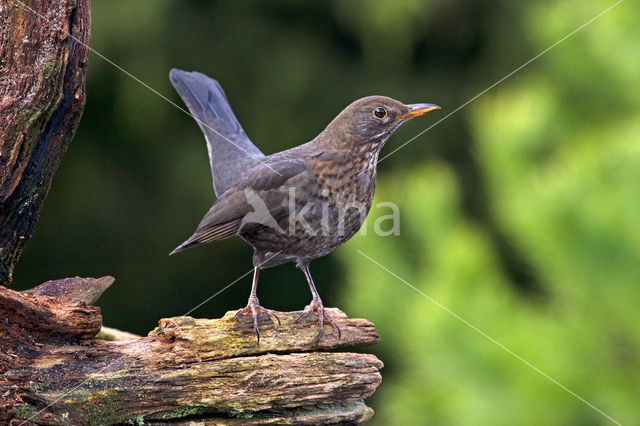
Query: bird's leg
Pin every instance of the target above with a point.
(253, 306)
(317, 307)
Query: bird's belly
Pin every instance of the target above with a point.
(317, 217)
(312, 231)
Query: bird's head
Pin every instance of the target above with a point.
(372, 120)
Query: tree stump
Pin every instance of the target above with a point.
(55, 371)
(43, 57)
(58, 365)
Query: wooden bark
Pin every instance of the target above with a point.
(42, 74)
(200, 370)
(58, 365)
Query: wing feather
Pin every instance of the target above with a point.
(269, 184)
(213, 233)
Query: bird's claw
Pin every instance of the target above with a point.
(316, 307)
(253, 308)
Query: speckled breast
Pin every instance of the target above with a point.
(322, 212)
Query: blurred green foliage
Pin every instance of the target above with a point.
(519, 212)
(560, 157)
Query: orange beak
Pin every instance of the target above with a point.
(417, 110)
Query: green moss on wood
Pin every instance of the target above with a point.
(139, 420)
(184, 412)
(22, 411)
(106, 336)
(104, 407)
(243, 415)
(38, 388)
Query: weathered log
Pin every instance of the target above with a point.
(201, 370)
(46, 317)
(42, 75)
(56, 365)
(114, 335)
(75, 289)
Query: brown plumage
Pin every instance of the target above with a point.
(295, 205)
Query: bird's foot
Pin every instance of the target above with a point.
(316, 307)
(253, 308)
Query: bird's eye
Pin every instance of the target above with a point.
(380, 113)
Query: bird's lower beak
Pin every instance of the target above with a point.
(417, 110)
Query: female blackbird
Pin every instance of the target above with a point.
(295, 205)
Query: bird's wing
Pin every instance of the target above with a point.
(231, 152)
(256, 200)
(273, 176)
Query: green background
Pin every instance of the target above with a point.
(519, 213)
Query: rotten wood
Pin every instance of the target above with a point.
(196, 370)
(75, 289)
(46, 316)
(114, 335)
(58, 365)
(43, 58)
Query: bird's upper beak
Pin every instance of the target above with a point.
(417, 110)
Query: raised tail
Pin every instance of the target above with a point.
(231, 152)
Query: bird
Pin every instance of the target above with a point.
(295, 205)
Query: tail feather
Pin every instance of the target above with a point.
(205, 99)
(231, 152)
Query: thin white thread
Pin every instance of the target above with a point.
(502, 79)
(116, 362)
(492, 340)
(92, 50)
